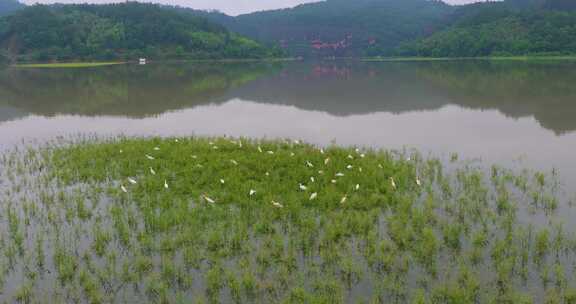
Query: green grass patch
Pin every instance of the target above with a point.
(218, 219)
(67, 65)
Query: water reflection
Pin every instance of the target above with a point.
(516, 89)
(128, 90)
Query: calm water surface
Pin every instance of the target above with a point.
(501, 112)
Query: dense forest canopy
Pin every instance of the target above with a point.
(125, 30)
(510, 28)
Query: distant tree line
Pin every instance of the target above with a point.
(498, 30)
(126, 30)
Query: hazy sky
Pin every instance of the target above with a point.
(233, 7)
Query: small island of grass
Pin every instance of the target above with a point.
(151, 220)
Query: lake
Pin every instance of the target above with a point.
(501, 112)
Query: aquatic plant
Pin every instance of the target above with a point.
(227, 219)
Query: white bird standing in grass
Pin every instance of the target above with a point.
(156, 149)
(194, 157)
(418, 182)
(165, 184)
(211, 201)
(350, 156)
(326, 161)
(132, 181)
(277, 205)
(123, 189)
(270, 152)
(152, 171)
(222, 181)
(235, 163)
(357, 187)
(339, 174)
(252, 192)
(393, 183)
(313, 196)
(302, 187)
(292, 154)
(260, 149)
(321, 151)
(344, 199)
(309, 164)
(312, 179)
(349, 167)
(149, 157)
(320, 172)
(333, 181)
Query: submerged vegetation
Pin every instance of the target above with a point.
(209, 220)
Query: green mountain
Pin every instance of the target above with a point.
(502, 29)
(9, 6)
(341, 27)
(126, 30)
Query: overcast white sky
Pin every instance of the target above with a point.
(232, 7)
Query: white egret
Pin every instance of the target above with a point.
(326, 161)
(312, 179)
(267, 174)
(270, 152)
(339, 174)
(302, 187)
(344, 199)
(156, 149)
(215, 147)
(211, 201)
(418, 182)
(313, 196)
(235, 163)
(152, 171)
(124, 189)
(309, 164)
(149, 157)
(121, 151)
(321, 151)
(260, 149)
(320, 172)
(333, 181)
(349, 167)
(292, 154)
(357, 187)
(194, 156)
(252, 192)
(360, 169)
(165, 184)
(350, 156)
(176, 140)
(362, 155)
(393, 183)
(132, 181)
(222, 181)
(277, 205)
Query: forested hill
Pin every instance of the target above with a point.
(359, 28)
(126, 30)
(9, 6)
(341, 27)
(510, 28)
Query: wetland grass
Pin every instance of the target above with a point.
(212, 220)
